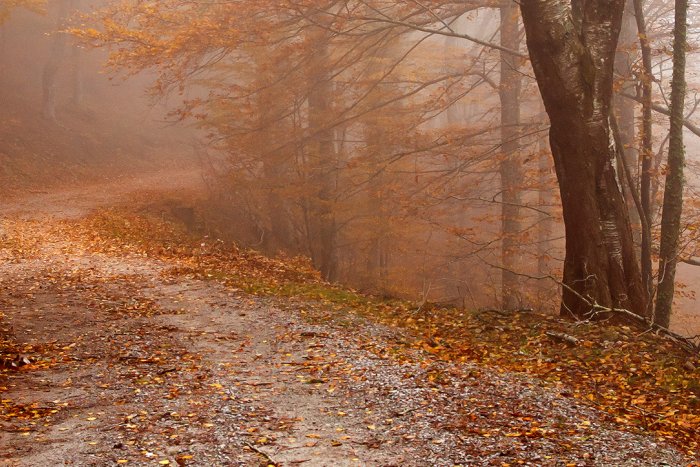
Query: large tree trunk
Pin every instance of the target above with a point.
(572, 51)
(509, 93)
(673, 192)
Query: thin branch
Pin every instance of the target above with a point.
(664, 110)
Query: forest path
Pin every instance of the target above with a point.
(134, 365)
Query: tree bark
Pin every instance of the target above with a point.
(273, 128)
(545, 224)
(572, 47)
(322, 160)
(673, 191)
(646, 150)
(625, 58)
(3, 47)
(509, 94)
(378, 252)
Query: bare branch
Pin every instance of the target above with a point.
(664, 110)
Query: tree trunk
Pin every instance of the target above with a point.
(273, 128)
(452, 111)
(545, 224)
(673, 192)
(3, 48)
(646, 149)
(76, 77)
(509, 94)
(76, 61)
(625, 58)
(52, 65)
(378, 253)
(572, 51)
(322, 162)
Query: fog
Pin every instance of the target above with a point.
(374, 146)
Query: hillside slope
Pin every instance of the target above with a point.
(82, 146)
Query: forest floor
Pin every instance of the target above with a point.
(124, 341)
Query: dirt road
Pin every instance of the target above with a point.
(134, 366)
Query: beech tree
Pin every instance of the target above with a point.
(646, 148)
(322, 158)
(673, 193)
(572, 47)
(509, 95)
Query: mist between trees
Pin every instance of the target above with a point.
(404, 146)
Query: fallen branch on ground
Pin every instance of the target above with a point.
(687, 344)
(270, 460)
(564, 338)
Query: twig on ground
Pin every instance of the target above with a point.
(267, 457)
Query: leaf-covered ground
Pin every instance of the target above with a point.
(127, 340)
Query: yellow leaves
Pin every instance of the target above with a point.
(670, 413)
(431, 347)
(31, 411)
(86, 33)
(639, 400)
